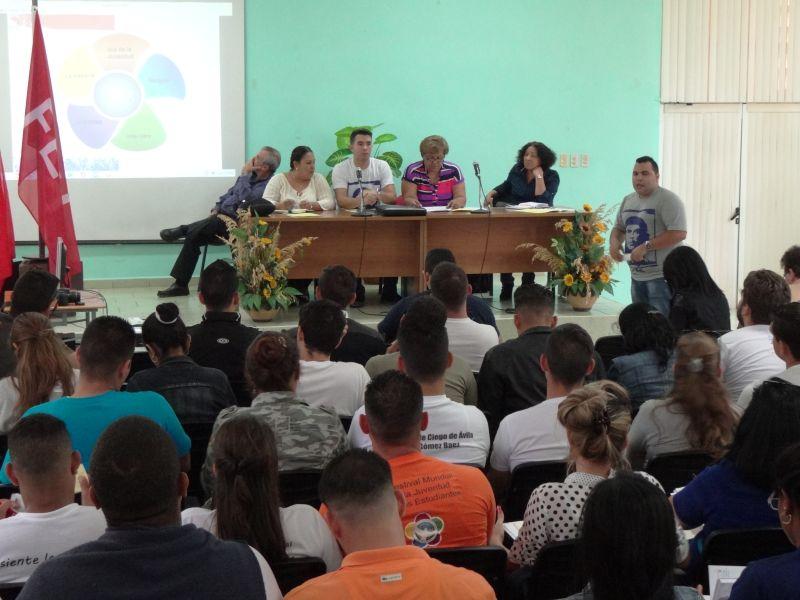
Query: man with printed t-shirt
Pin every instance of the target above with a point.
(651, 222)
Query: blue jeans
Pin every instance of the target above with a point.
(655, 292)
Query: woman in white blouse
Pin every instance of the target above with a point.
(301, 187)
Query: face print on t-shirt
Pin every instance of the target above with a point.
(638, 227)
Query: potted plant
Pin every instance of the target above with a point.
(343, 149)
(577, 258)
(262, 265)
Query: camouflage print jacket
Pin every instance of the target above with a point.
(307, 437)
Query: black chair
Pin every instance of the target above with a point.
(9, 591)
(200, 434)
(346, 421)
(488, 561)
(743, 546)
(3, 445)
(216, 242)
(294, 572)
(6, 489)
(299, 487)
(554, 575)
(526, 478)
(610, 347)
(676, 469)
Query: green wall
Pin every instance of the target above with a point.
(580, 75)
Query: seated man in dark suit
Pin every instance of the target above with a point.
(248, 190)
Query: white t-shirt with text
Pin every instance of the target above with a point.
(470, 340)
(339, 385)
(376, 176)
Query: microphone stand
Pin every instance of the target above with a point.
(362, 210)
(484, 209)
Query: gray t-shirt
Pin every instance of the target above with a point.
(641, 219)
(657, 429)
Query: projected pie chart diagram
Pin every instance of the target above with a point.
(116, 88)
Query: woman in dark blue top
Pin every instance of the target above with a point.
(531, 179)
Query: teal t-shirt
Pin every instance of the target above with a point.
(87, 418)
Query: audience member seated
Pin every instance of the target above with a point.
(627, 543)
(747, 353)
(778, 578)
(732, 494)
(597, 423)
(104, 357)
(220, 340)
(534, 434)
(454, 432)
(43, 465)
(646, 371)
(785, 329)
(696, 415)
(195, 393)
(35, 291)
(307, 436)
(433, 181)
(364, 513)
(300, 187)
(135, 478)
(247, 507)
(698, 304)
(43, 371)
(468, 339)
(477, 310)
(339, 385)
(511, 378)
(790, 262)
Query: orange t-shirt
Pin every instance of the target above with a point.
(447, 505)
(398, 572)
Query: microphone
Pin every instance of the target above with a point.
(362, 211)
(482, 208)
(477, 168)
(358, 175)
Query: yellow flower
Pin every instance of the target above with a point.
(567, 227)
(568, 280)
(586, 277)
(604, 277)
(600, 226)
(587, 208)
(266, 241)
(262, 222)
(598, 239)
(267, 292)
(273, 284)
(278, 253)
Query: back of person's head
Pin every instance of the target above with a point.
(40, 449)
(436, 256)
(627, 542)
(618, 398)
(790, 261)
(699, 393)
(685, 271)
(449, 284)
(272, 363)
(337, 283)
(41, 361)
(786, 327)
(34, 291)
(393, 405)
(135, 474)
(769, 425)
(533, 302)
(644, 328)
(164, 330)
(356, 485)
(787, 476)
(246, 486)
(763, 292)
(596, 425)
(218, 284)
(569, 352)
(423, 341)
(322, 323)
(106, 345)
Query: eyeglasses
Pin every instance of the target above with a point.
(773, 501)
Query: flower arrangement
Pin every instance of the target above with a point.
(578, 260)
(262, 265)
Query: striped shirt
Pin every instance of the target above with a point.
(434, 194)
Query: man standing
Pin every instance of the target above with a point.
(650, 223)
(248, 189)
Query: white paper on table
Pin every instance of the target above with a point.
(431, 209)
(512, 528)
(722, 572)
(523, 205)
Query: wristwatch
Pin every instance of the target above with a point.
(648, 245)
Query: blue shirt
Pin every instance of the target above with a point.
(248, 189)
(516, 188)
(643, 376)
(774, 578)
(87, 418)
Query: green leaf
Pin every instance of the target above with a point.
(384, 137)
(257, 301)
(343, 142)
(329, 178)
(393, 158)
(337, 157)
(242, 289)
(396, 172)
(291, 291)
(345, 131)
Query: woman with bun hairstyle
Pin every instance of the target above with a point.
(197, 394)
(696, 415)
(246, 499)
(43, 371)
(597, 419)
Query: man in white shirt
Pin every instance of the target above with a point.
(455, 433)
(468, 339)
(323, 382)
(534, 434)
(43, 465)
(746, 354)
(785, 330)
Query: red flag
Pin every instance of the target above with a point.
(42, 183)
(6, 230)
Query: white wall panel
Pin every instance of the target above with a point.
(769, 50)
(727, 60)
(684, 51)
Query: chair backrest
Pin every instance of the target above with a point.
(554, 575)
(6, 489)
(346, 421)
(3, 444)
(299, 487)
(676, 469)
(9, 591)
(742, 546)
(293, 572)
(610, 347)
(526, 478)
(488, 561)
(200, 434)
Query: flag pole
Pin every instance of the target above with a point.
(34, 10)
